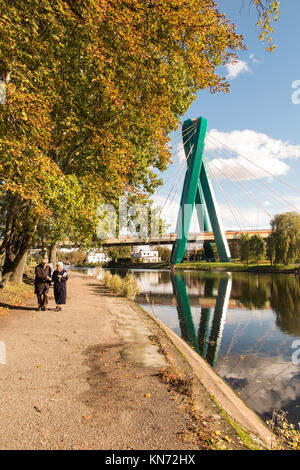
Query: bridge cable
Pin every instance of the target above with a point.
(226, 198)
(184, 134)
(284, 202)
(179, 174)
(180, 149)
(249, 193)
(255, 164)
(236, 207)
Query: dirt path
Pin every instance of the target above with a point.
(88, 378)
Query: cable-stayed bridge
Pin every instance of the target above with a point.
(208, 163)
(211, 172)
(169, 239)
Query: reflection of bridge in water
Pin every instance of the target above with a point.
(195, 300)
(208, 340)
(214, 301)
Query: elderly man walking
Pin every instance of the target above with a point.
(42, 283)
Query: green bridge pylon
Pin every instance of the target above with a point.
(197, 189)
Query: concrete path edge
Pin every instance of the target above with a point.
(225, 397)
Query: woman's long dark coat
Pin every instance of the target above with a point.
(60, 287)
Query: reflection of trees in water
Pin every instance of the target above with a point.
(164, 277)
(285, 301)
(252, 290)
(200, 280)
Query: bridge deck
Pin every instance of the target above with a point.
(170, 238)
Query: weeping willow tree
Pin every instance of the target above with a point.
(284, 241)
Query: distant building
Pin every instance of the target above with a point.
(145, 253)
(97, 257)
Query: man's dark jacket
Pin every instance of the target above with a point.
(41, 284)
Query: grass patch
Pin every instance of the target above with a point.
(263, 267)
(240, 431)
(16, 295)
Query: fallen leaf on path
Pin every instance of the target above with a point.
(148, 395)
(87, 417)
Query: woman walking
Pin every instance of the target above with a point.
(59, 277)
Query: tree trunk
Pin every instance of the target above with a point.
(16, 255)
(52, 254)
(2, 258)
(44, 249)
(17, 275)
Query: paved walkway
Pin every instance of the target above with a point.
(90, 377)
(85, 378)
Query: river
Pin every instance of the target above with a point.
(246, 326)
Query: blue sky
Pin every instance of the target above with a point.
(257, 118)
(260, 99)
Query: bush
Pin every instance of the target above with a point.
(107, 278)
(130, 287)
(126, 287)
(288, 435)
(116, 284)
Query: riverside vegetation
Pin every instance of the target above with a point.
(287, 434)
(126, 287)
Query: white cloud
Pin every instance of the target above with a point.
(254, 60)
(266, 384)
(236, 68)
(266, 153)
(248, 218)
(270, 154)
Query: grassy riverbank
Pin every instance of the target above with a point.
(236, 267)
(160, 265)
(16, 295)
(264, 267)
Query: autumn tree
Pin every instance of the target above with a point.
(268, 11)
(92, 91)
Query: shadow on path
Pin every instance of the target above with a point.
(16, 307)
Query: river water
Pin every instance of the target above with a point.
(246, 326)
